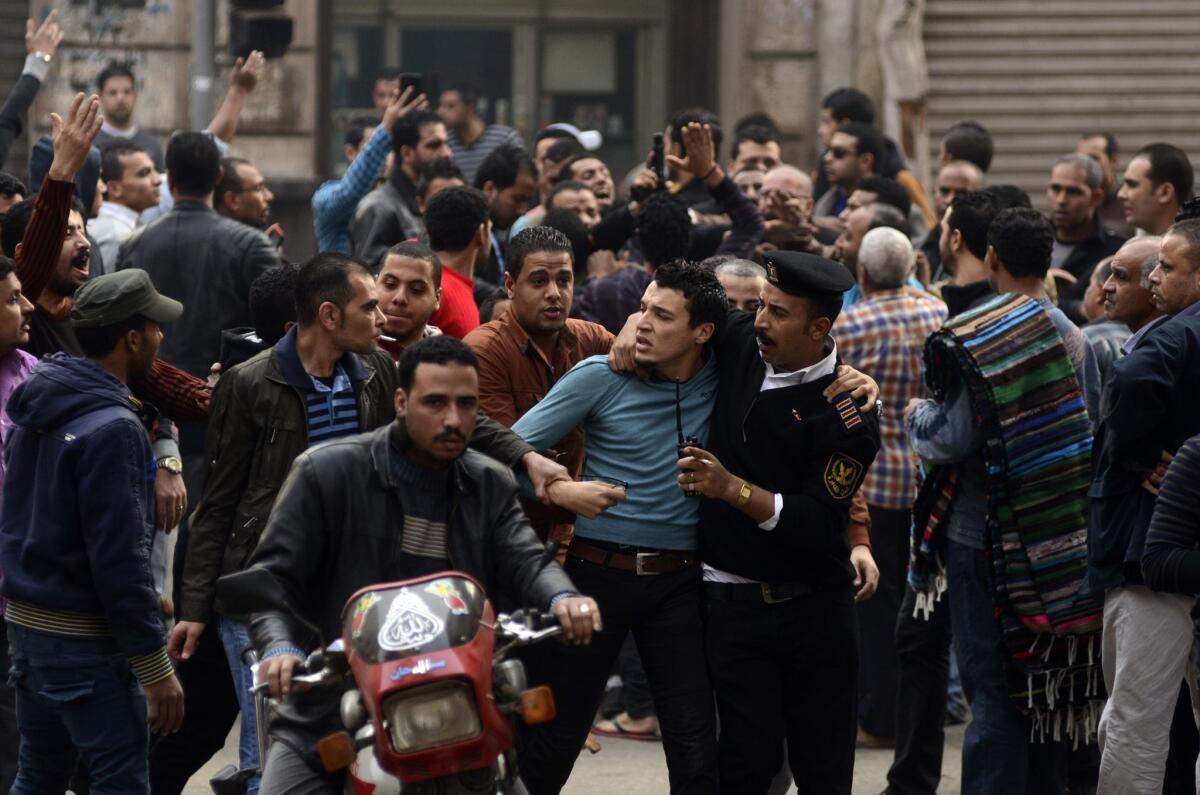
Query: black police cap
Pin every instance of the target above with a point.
(802, 274)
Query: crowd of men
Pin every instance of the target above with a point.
(815, 450)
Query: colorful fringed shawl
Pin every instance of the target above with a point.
(1037, 447)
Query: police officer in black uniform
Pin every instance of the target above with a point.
(781, 466)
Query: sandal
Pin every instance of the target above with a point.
(613, 728)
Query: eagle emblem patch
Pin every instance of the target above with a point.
(842, 474)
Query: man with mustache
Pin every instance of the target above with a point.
(784, 458)
(429, 505)
(324, 380)
(532, 345)
(634, 426)
(1148, 413)
(1081, 240)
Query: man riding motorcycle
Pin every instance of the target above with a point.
(403, 501)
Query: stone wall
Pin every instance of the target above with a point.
(782, 56)
(278, 125)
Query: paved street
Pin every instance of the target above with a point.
(637, 768)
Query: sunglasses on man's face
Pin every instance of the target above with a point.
(838, 152)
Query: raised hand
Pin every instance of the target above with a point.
(701, 154)
(248, 71)
(73, 137)
(400, 106)
(43, 38)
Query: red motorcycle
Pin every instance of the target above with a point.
(432, 695)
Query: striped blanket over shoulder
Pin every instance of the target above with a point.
(1037, 450)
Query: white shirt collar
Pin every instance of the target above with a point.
(120, 213)
(774, 380)
(113, 131)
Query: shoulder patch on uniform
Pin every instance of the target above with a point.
(842, 475)
(848, 410)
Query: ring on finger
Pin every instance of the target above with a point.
(691, 487)
(585, 609)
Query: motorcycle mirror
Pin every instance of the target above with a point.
(537, 705)
(256, 590)
(253, 590)
(337, 751)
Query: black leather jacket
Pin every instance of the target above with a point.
(335, 528)
(207, 262)
(257, 429)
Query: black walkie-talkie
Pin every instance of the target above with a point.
(684, 441)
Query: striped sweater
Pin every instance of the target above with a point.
(1171, 561)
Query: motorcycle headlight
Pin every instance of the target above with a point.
(440, 714)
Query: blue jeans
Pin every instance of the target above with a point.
(77, 697)
(956, 699)
(235, 637)
(997, 756)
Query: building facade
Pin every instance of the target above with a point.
(1038, 74)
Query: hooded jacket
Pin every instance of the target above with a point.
(78, 518)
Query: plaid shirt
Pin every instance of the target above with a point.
(884, 336)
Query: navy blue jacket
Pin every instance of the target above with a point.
(1148, 406)
(77, 517)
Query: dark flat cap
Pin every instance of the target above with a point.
(798, 273)
(115, 297)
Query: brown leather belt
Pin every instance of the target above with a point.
(643, 563)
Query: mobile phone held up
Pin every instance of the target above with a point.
(415, 80)
(657, 163)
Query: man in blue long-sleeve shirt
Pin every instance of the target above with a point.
(631, 436)
(334, 202)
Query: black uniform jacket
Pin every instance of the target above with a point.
(795, 443)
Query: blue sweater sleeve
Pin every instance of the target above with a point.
(570, 401)
(943, 432)
(115, 493)
(336, 201)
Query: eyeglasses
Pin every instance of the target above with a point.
(838, 152)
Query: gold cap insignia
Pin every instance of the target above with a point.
(772, 273)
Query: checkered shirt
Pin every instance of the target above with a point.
(884, 337)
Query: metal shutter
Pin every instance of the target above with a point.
(1040, 74)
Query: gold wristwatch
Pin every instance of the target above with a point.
(744, 494)
(172, 464)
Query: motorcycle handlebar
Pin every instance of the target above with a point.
(316, 670)
(544, 621)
